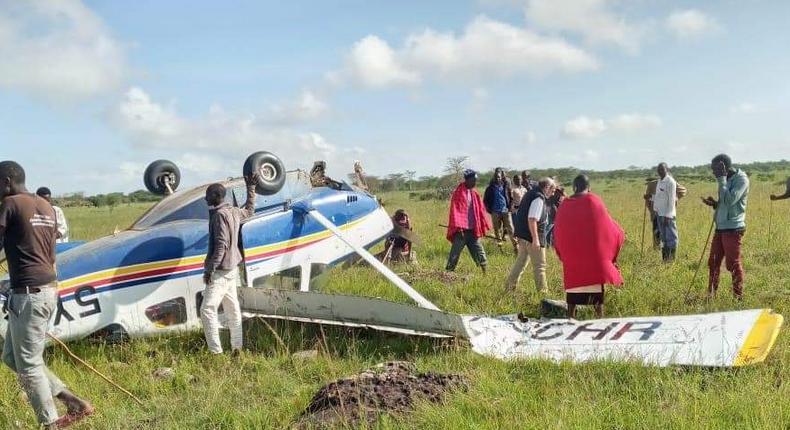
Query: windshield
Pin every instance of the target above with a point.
(191, 204)
(181, 206)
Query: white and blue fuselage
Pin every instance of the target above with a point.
(147, 280)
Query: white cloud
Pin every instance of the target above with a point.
(691, 23)
(486, 49)
(584, 127)
(208, 144)
(634, 122)
(307, 107)
(374, 64)
(58, 50)
(594, 20)
(743, 108)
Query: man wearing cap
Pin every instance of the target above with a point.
(63, 226)
(27, 233)
(468, 222)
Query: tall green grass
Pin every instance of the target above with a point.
(266, 388)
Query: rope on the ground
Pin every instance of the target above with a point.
(81, 361)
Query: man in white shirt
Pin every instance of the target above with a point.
(531, 221)
(63, 227)
(664, 205)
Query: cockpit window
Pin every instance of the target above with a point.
(190, 205)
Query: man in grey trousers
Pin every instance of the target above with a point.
(28, 230)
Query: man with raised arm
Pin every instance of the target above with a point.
(221, 268)
(730, 218)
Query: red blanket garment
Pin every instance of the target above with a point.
(587, 241)
(459, 215)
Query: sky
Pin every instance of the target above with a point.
(93, 91)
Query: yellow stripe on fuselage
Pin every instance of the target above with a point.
(760, 340)
(129, 270)
(251, 252)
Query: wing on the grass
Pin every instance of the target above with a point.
(724, 339)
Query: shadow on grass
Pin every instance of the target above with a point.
(272, 337)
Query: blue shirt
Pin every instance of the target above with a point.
(500, 200)
(733, 195)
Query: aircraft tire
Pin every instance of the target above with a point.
(156, 172)
(270, 169)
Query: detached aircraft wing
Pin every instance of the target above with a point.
(724, 339)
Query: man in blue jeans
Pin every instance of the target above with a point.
(664, 205)
(499, 203)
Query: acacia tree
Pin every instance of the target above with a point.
(410, 177)
(455, 166)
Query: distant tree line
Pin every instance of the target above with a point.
(454, 167)
(103, 200)
(453, 173)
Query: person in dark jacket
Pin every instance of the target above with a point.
(531, 220)
(499, 203)
(221, 271)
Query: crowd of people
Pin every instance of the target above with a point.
(531, 215)
(534, 215)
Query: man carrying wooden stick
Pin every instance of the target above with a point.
(28, 229)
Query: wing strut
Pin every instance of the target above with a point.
(378, 265)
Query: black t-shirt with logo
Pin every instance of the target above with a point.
(29, 241)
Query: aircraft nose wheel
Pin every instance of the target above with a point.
(270, 170)
(162, 177)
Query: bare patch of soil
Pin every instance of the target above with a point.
(437, 275)
(391, 387)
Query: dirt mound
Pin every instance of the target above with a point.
(388, 388)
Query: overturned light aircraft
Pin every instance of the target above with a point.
(147, 280)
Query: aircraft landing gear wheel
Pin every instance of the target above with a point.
(162, 177)
(270, 170)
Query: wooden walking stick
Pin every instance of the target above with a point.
(701, 257)
(644, 224)
(770, 218)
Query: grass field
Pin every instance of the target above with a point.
(268, 389)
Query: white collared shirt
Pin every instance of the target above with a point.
(665, 199)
